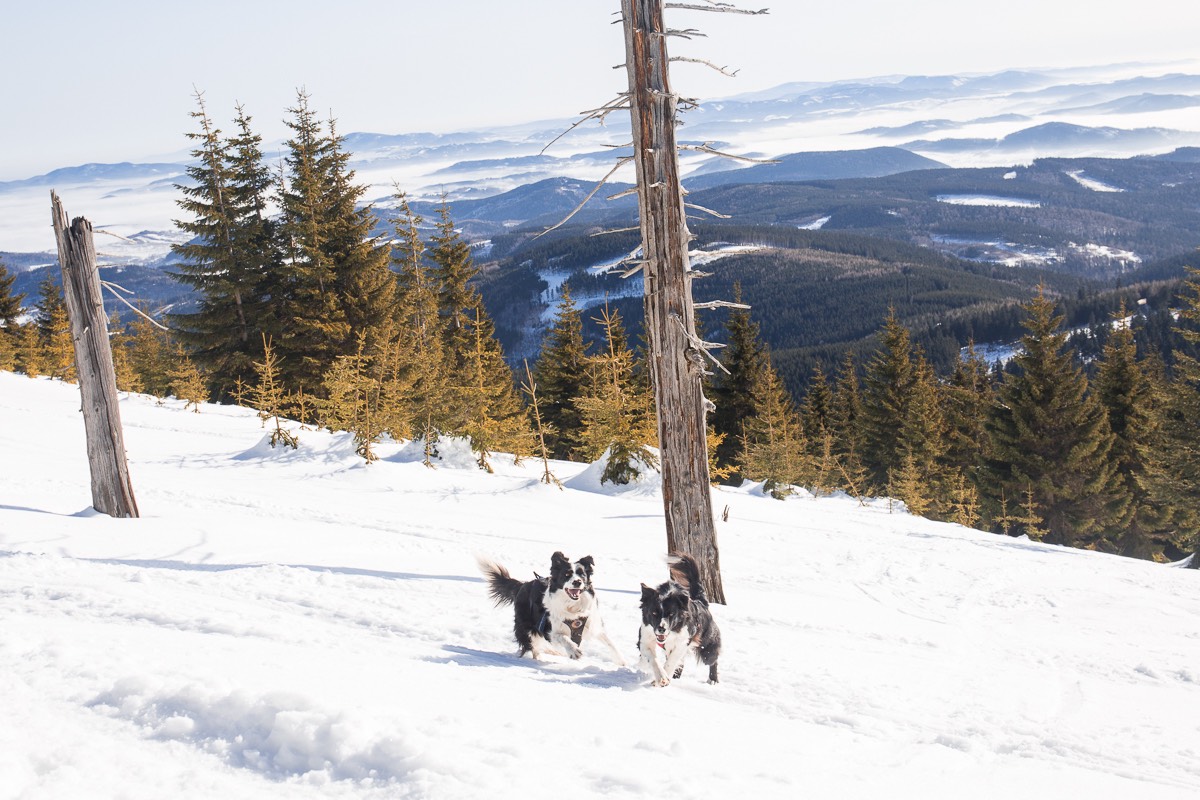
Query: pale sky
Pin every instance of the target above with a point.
(106, 82)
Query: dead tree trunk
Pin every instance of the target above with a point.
(112, 492)
(675, 361)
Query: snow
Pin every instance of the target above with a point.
(296, 624)
(815, 225)
(1091, 183)
(987, 200)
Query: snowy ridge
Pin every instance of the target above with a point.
(296, 624)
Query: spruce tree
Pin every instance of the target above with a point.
(54, 331)
(1173, 466)
(559, 374)
(150, 355)
(310, 318)
(10, 315)
(1049, 443)
(744, 359)
(230, 251)
(457, 299)
(1130, 402)
(901, 416)
(352, 400)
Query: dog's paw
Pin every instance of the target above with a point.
(678, 673)
(663, 681)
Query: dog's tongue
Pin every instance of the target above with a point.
(573, 594)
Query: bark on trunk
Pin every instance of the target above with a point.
(112, 492)
(675, 364)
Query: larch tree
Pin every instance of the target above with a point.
(773, 449)
(617, 416)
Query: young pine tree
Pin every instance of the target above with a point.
(268, 395)
(187, 383)
(493, 417)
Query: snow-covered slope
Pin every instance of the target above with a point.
(300, 625)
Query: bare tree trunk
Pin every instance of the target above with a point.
(112, 492)
(675, 363)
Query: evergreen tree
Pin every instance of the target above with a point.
(229, 252)
(310, 318)
(744, 359)
(817, 410)
(365, 286)
(773, 449)
(10, 315)
(968, 396)
(901, 417)
(457, 299)
(128, 379)
(1131, 404)
(617, 414)
(54, 331)
(1173, 464)
(1049, 442)
(559, 374)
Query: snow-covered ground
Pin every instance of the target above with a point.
(987, 200)
(300, 625)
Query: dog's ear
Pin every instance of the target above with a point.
(558, 559)
(588, 562)
(648, 593)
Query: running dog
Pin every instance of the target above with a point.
(555, 615)
(675, 619)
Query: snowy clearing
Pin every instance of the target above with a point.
(301, 625)
(987, 200)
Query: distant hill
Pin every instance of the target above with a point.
(869, 163)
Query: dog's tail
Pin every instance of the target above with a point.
(685, 571)
(502, 587)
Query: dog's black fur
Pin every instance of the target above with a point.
(551, 615)
(676, 619)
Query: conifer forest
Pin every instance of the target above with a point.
(319, 310)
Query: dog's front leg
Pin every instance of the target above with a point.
(594, 627)
(560, 636)
(649, 648)
(676, 649)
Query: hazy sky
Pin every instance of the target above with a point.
(103, 82)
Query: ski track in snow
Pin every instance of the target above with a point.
(297, 624)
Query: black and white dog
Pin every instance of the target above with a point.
(675, 619)
(551, 615)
